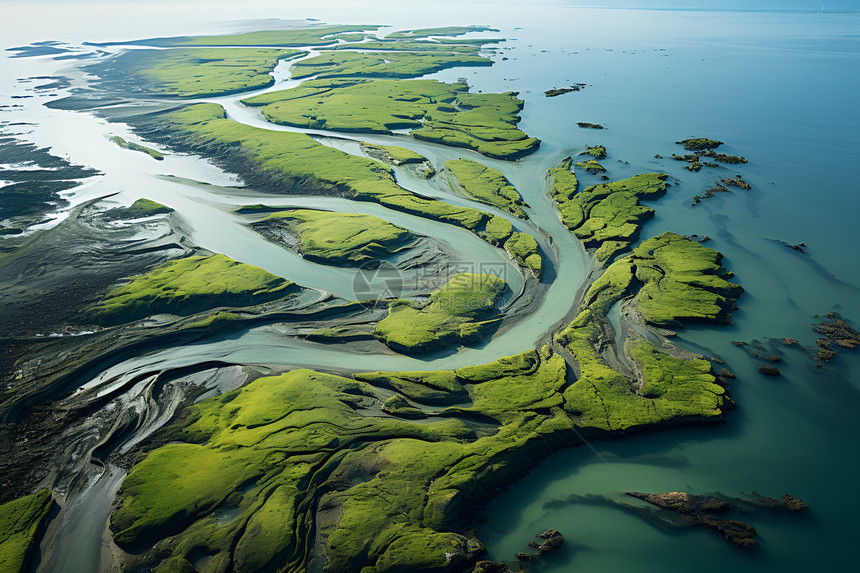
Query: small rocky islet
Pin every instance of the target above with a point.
(699, 510)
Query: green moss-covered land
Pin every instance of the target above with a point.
(699, 143)
(523, 248)
(312, 36)
(20, 522)
(309, 452)
(486, 185)
(139, 209)
(671, 280)
(337, 64)
(591, 166)
(365, 106)
(445, 47)
(675, 280)
(396, 155)
(157, 155)
(597, 152)
(605, 217)
(190, 285)
(441, 31)
(192, 72)
(434, 111)
(702, 147)
(458, 313)
(555, 92)
(483, 122)
(339, 238)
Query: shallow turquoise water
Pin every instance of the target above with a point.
(780, 89)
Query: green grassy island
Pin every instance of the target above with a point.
(396, 155)
(139, 209)
(486, 185)
(605, 217)
(157, 155)
(192, 72)
(441, 31)
(339, 238)
(381, 64)
(190, 285)
(457, 313)
(591, 166)
(432, 110)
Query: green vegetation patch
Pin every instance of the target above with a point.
(432, 387)
(315, 36)
(591, 166)
(483, 122)
(367, 106)
(682, 281)
(699, 143)
(194, 72)
(563, 187)
(393, 154)
(396, 155)
(523, 248)
(461, 47)
(459, 312)
(395, 64)
(157, 155)
(307, 452)
(441, 31)
(340, 238)
(212, 320)
(434, 111)
(605, 217)
(498, 230)
(190, 285)
(672, 280)
(147, 208)
(671, 389)
(597, 151)
(20, 523)
(487, 185)
(139, 209)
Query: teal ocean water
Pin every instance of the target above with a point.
(781, 89)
